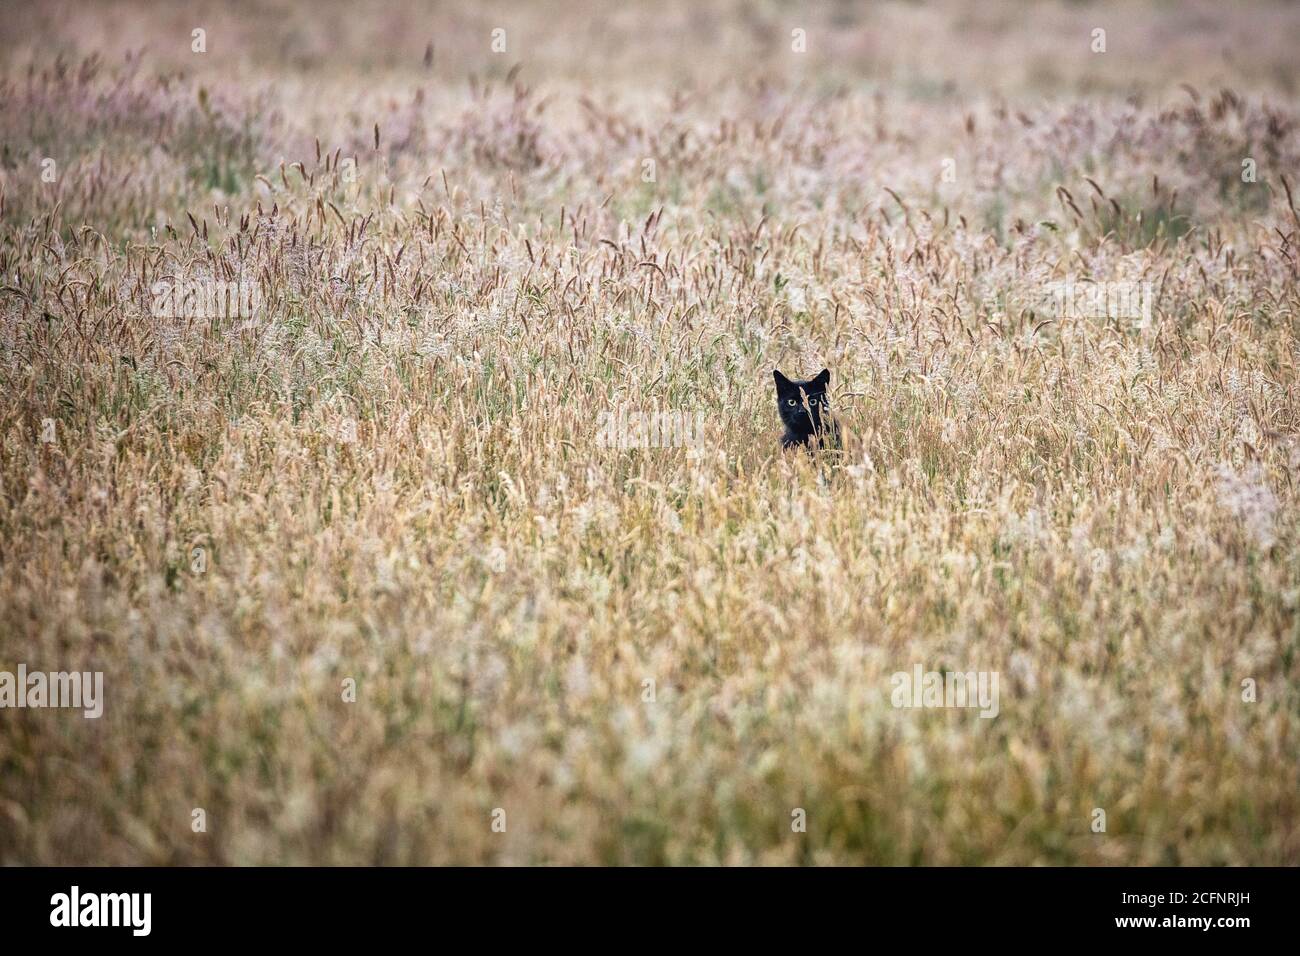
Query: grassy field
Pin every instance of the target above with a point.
(366, 584)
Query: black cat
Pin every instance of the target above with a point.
(806, 411)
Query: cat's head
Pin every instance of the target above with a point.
(804, 406)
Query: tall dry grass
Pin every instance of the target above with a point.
(389, 473)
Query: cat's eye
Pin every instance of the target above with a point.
(791, 402)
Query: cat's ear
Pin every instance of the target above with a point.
(823, 378)
(781, 380)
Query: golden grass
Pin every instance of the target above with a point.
(390, 472)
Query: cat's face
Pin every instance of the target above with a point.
(803, 405)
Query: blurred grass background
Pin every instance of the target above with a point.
(1102, 513)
